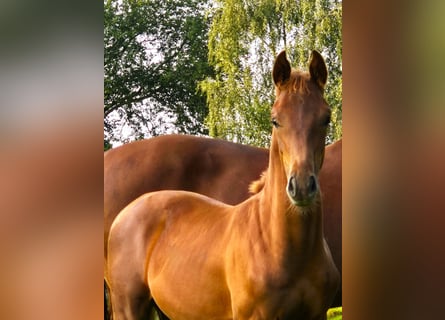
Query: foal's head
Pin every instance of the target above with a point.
(300, 117)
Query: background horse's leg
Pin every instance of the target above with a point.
(160, 315)
(132, 302)
(107, 304)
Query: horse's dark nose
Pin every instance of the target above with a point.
(312, 188)
(302, 191)
(292, 187)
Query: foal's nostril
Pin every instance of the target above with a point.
(312, 185)
(292, 186)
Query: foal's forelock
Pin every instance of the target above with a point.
(297, 83)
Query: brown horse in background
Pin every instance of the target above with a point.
(265, 258)
(216, 168)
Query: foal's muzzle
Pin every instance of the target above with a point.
(302, 191)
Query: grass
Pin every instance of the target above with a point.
(335, 313)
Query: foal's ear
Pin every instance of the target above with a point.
(318, 70)
(281, 69)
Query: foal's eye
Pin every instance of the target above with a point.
(275, 123)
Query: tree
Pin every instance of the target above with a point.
(244, 38)
(155, 55)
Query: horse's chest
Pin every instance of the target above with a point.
(287, 295)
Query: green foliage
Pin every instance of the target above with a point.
(244, 39)
(155, 55)
(335, 313)
(107, 145)
(157, 52)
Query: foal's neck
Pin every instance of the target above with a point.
(291, 227)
